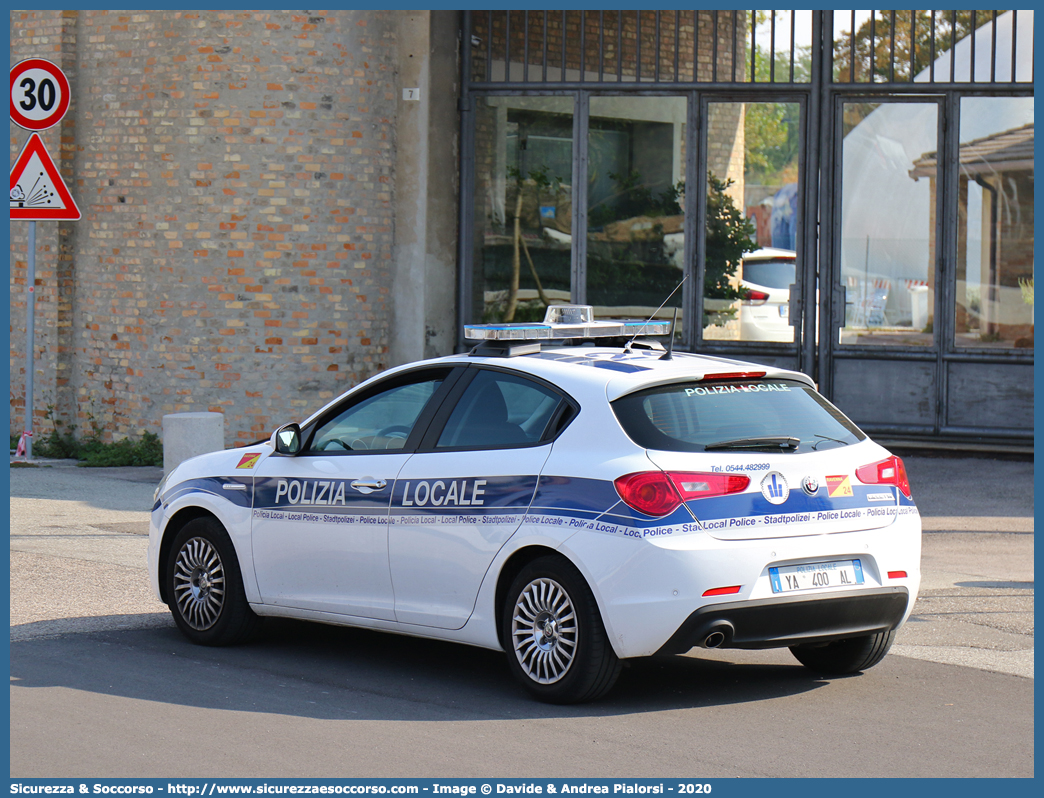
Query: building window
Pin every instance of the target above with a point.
(523, 206)
(635, 204)
(994, 298)
(887, 224)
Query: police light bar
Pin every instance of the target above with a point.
(566, 321)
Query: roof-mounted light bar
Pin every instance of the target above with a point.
(565, 321)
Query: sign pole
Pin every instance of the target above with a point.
(40, 96)
(30, 320)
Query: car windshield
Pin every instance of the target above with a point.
(763, 415)
(770, 273)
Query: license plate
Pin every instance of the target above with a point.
(791, 578)
(783, 311)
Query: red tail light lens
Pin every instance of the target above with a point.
(756, 297)
(658, 493)
(889, 471)
(649, 492)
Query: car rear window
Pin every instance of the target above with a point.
(691, 416)
(770, 273)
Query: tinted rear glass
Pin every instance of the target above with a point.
(499, 409)
(770, 273)
(688, 417)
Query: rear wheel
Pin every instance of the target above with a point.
(845, 656)
(554, 637)
(205, 588)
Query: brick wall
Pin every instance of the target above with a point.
(235, 175)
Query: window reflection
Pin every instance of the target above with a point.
(523, 206)
(752, 201)
(888, 247)
(635, 213)
(994, 299)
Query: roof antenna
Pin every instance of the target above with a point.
(627, 346)
(670, 344)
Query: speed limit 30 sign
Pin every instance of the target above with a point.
(39, 94)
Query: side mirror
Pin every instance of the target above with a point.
(288, 439)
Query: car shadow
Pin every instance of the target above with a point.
(316, 671)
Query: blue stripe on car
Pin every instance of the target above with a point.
(213, 486)
(574, 497)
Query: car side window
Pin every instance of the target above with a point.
(382, 421)
(497, 410)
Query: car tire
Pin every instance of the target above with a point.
(553, 634)
(845, 656)
(205, 588)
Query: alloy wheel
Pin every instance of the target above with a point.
(199, 583)
(544, 631)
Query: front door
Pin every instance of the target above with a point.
(320, 522)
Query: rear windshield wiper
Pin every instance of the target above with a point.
(826, 438)
(765, 442)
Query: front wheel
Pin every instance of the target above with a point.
(205, 588)
(554, 637)
(845, 656)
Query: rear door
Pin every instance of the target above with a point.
(459, 499)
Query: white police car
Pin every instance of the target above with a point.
(574, 506)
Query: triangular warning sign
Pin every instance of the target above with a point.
(38, 192)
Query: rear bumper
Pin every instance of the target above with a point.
(764, 325)
(791, 620)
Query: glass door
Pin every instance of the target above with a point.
(993, 303)
(887, 237)
(752, 244)
(636, 156)
(887, 264)
(523, 206)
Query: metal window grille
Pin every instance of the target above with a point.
(933, 47)
(631, 49)
(661, 49)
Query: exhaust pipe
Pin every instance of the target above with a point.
(713, 640)
(717, 635)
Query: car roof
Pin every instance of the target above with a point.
(611, 372)
(589, 373)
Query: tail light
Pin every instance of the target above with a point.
(756, 298)
(702, 485)
(660, 493)
(649, 492)
(733, 375)
(889, 471)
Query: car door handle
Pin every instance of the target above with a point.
(368, 484)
